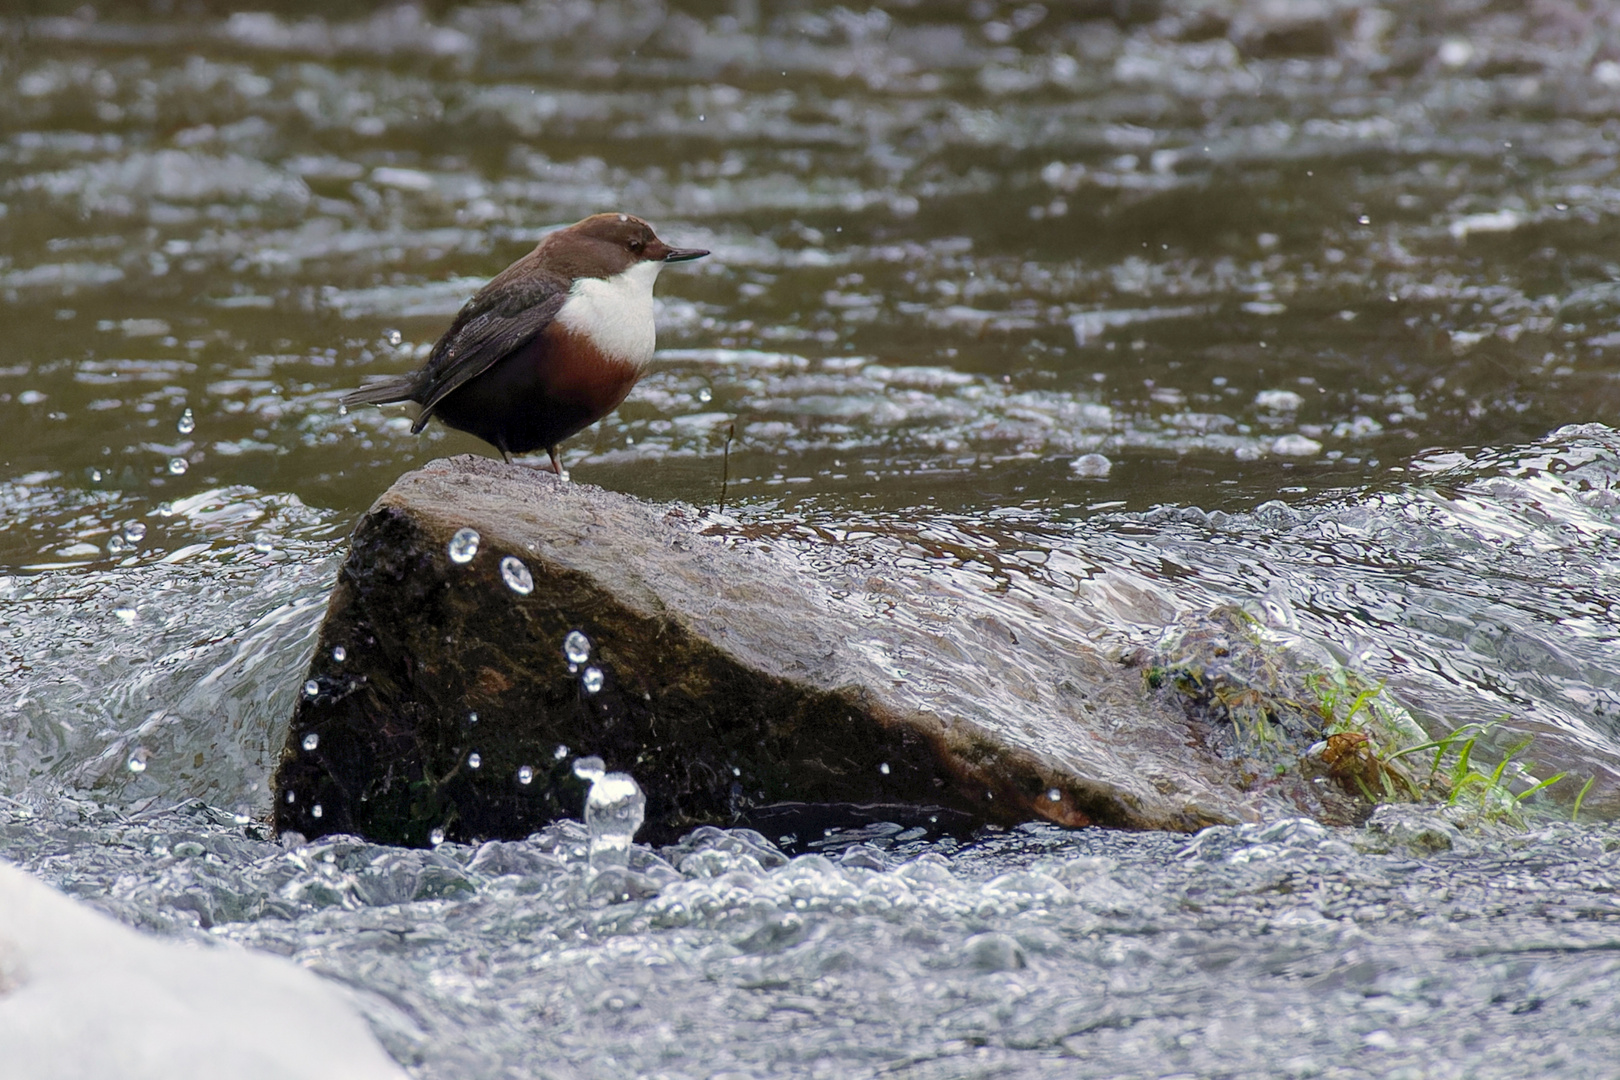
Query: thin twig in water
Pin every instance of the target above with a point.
(725, 464)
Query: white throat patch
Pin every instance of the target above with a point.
(616, 313)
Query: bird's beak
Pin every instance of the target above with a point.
(683, 254)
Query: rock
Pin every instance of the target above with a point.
(81, 995)
(732, 669)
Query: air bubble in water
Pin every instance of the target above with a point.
(516, 576)
(474, 760)
(138, 759)
(577, 647)
(464, 545)
(187, 424)
(591, 680)
(312, 688)
(560, 753)
(525, 774)
(614, 809)
(311, 741)
(436, 837)
(339, 654)
(178, 466)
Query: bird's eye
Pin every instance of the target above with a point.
(636, 246)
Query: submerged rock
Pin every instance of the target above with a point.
(491, 625)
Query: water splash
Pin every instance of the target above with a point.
(516, 576)
(577, 647)
(464, 545)
(614, 809)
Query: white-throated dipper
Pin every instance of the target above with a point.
(550, 346)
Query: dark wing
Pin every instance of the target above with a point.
(505, 315)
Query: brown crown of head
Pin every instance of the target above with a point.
(607, 244)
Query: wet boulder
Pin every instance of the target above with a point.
(491, 625)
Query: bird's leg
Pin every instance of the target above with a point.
(556, 464)
(501, 446)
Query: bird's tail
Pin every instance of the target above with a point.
(383, 391)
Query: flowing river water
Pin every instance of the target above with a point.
(1305, 308)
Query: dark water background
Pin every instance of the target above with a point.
(1331, 288)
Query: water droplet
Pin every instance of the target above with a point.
(884, 768)
(187, 424)
(560, 753)
(315, 811)
(577, 647)
(292, 797)
(1364, 219)
(343, 410)
(312, 688)
(138, 759)
(1054, 794)
(516, 576)
(436, 837)
(241, 816)
(95, 476)
(472, 718)
(474, 760)
(126, 615)
(134, 531)
(393, 337)
(178, 466)
(525, 774)
(339, 654)
(464, 545)
(592, 680)
(589, 768)
(614, 809)
(705, 395)
(263, 544)
(311, 741)
(117, 545)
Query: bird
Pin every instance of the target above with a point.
(549, 346)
